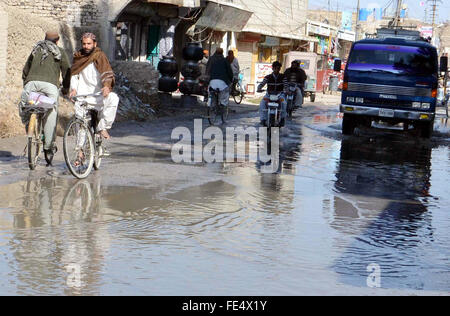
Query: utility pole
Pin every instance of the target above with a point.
(357, 23)
(397, 13)
(434, 4)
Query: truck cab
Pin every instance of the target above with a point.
(392, 78)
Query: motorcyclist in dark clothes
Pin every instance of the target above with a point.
(295, 74)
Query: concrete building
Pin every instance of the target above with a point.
(444, 38)
(260, 31)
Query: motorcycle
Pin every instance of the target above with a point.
(274, 121)
(274, 110)
(290, 98)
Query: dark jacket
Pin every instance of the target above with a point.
(219, 68)
(297, 75)
(274, 83)
(49, 71)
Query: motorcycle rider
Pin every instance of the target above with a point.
(297, 75)
(275, 85)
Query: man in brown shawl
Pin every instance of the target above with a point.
(92, 74)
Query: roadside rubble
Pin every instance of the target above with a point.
(131, 107)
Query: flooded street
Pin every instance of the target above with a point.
(367, 214)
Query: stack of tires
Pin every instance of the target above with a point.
(168, 68)
(192, 54)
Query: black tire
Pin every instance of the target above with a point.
(349, 123)
(34, 143)
(238, 97)
(290, 109)
(213, 114)
(426, 129)
(312, 97)
(73, 142)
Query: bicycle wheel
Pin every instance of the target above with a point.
(213, 110)
(98, 152)
(79, 149)
(34, 141)
(239, 95)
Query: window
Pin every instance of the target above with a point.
(394, 58)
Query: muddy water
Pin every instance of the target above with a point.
(341, 216)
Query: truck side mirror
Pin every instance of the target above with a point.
(443, 64)
(337, 65)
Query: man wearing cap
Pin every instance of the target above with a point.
(41, 73)
(92, 74)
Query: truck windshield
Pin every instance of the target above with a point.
(394, 59)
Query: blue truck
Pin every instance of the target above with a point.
(392, 78)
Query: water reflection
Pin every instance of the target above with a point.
(55, 245)
(382, 188)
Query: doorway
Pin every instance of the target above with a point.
(153, 44)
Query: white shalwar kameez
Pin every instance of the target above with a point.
(88, 81)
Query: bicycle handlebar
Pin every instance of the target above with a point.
(76, 97)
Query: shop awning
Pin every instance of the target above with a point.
(224, 17)
(298, 37)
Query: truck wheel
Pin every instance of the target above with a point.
(312, 97)
(426, 129)
(348, 124)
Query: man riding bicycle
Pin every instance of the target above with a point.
(221, 75)
(41, 73)
(275, 85)
(92, 74)
(297, 75)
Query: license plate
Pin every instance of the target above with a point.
(386, 113)
(273, 104)
(273, 97)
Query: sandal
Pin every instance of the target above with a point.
(80, 159)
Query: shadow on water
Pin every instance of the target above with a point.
(380, 205)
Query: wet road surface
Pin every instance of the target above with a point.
(365, 214)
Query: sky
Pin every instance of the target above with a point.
(415, 10)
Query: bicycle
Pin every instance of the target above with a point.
(38, 106)
(237, 91)
(82, 144)
(215, 109)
